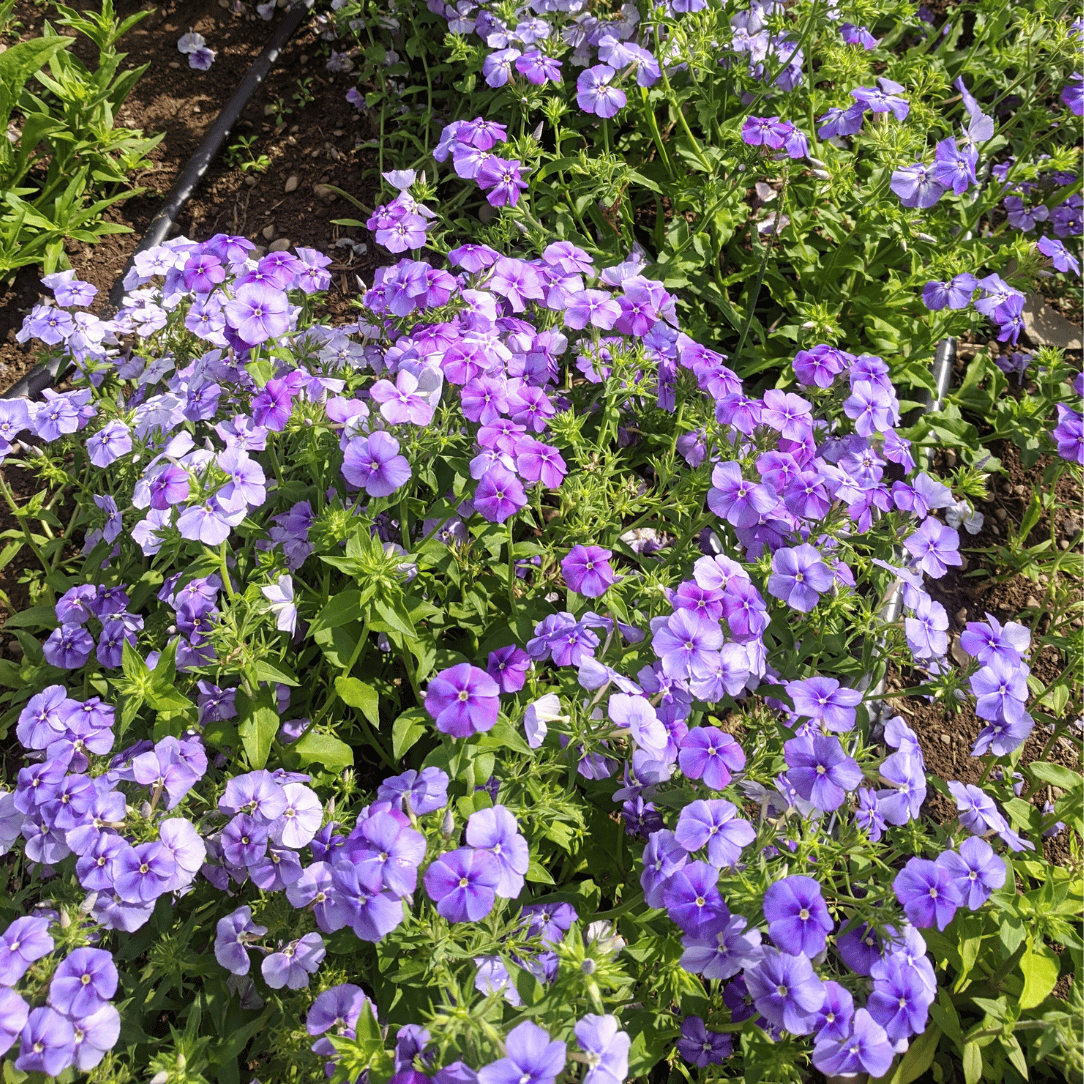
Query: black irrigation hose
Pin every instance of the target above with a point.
(47, 374)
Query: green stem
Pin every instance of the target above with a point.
(10, 498)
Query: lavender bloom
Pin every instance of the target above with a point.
(701, 1047)
(692, 899)
(232, 934)
(257, 313)
(710, 754)
(739, 502)
(934, 546)
(917, 186)
(1060, 256)
(374, 464)
(927, 892)
(785, 990)
(27, 939)
(95, 1034)
(500, 494)
(714, 824)
(883, 100)
(955, 294)
(799, 577)
(496, 831)
(798, 919)
(422, 793)
(606, 1047)
(864, 1049)
(82, 981)
(532, 1058)
(824, 702)
(13, 1013)
(339, 1008)
(463, 884)
(820, 771)
(463, 700)
(975, 869)
(48, 1043)
(292, 965)
(595, 93)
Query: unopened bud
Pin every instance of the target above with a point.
(447, 826)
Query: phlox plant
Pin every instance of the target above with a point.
(482, 690)
(806, 173)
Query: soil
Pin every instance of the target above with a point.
(304, 143)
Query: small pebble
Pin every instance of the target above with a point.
(304, 58)
(268, 232)
(961, 614)
(1031, 602)
(945, 739)
(1001, 514)
(1064, 543)
(1022, 492)
(174, 63)
(250, 181)
(292, 182)
(950, 457)
(281, 245)
(323, 192)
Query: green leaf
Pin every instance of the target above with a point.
(21, 61)
(360, 695)
(1056, 775)
(1040, 969)
(270, 672)
(972, 1060)
(538, 873)
(36, 617)
(258, 723)
(341, 610)
(406, 731)
(323, 750)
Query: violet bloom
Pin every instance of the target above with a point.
(692, 899)
(232, 934)
(422, 792)
(502, 180)
(587, 570)
(687, 644)
(865, 1049)
(824, 702)
(714, 823)
(916, 186)
(884, 99)
(82, 981)
(799, 577)
(710, 754)
(292, 965)
(975, 869)
(258, 312)
(955, 294)
(463, 884)
(785, 990)
(798, 919)
(508, 667)
(595, 93)
(701, 1047)
(1060, 256)
(820, 771)
(373, 463)
(13, 1013)
(766, 131)
(739, 502)
(95, 1035)
(463, 700)
(500, 494)
(532, 1058)
(496, 831)
(27, 939)
(927, 892)
(606, 1047)
(339, 1008)
(48, 1043)
(1068, 434)
(934, 546)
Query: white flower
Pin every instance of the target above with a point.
(281, 597)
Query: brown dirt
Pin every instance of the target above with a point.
(318, 141)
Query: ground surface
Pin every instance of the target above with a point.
(311, 138)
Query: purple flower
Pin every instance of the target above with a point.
(499, 495)
(927, 892)
(13, 1013)
(292, 965)
(595, 94)
(687, 644)
(976, 870)
(710, 754)
(766, 131)
(917, 186)
(820, 771)
(864, 1049)
(883, 100)
(508, 667)
(422, 792)
(1060, 256)
(714, 823)
(27, 939)
(95, 1035)
(798, 919)
(82, 981)
(606, 1047)
(496, 831)
(692, 899)
(900, 998)
(258, 312)
(532, 1058)
(232, 934)
(1068, 434)
(502, 179)
(739, 502)
(955, 294)
(799, 577)
(954, 167)
(934, 546)
(785, 990)
(374, 464)
(339, 1008)
(463, 884)
(463, 700)
(825, 702)
(701, 1047)
(47, 1043)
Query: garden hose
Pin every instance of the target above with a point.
(48, 374)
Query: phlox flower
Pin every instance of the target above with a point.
(232, 934)
(701, 1047)
(798, 919)
(373, 463)
(339, 1008)
(496, 831)
(292, 965)
(955, 294)
(917, 186)
(257, 313)
(499, 495)
(1059, 255)
(531, 1058)
(502, 180)
(785, 990)
(94, 1035)
(463, 884)
(883, 99)
(766, 131)
(48, 1043)
(864, 1049)
(606, 1047)
(714, 823)
(975, 869)
(463, 700)
(587, 570)
(799, 577)
(25, 940)
(928, 893)
(1068, 434)
(692, 900)
(82, 981)
(820, 771)
(710, 754)
(596, 94)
